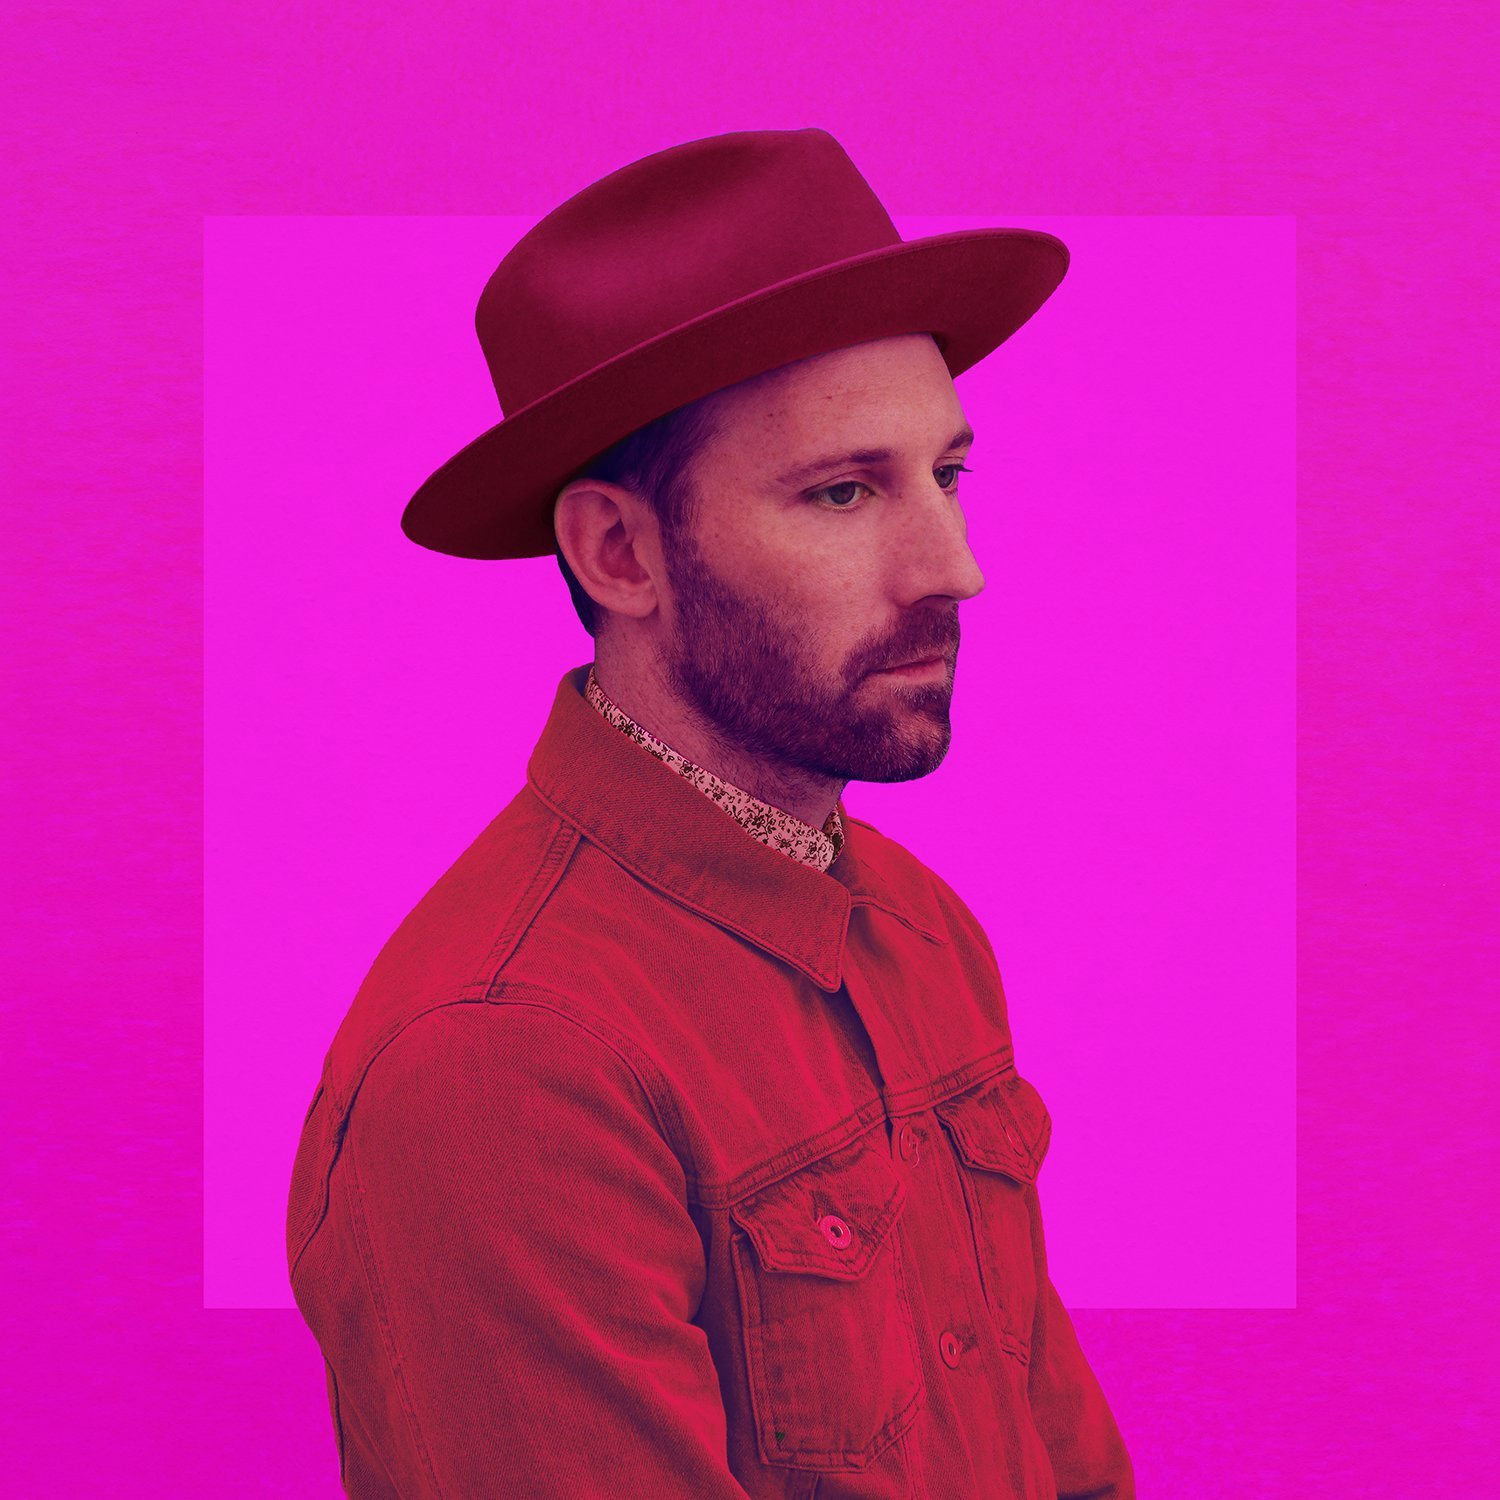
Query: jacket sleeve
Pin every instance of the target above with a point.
(1067, 1405)
(532, 1268)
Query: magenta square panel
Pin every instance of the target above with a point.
(1117, 806)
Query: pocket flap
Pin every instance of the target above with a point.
(1000, 1126)
(828, 1218)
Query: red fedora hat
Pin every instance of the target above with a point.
(685, 272)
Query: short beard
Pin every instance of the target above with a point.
(735, 666)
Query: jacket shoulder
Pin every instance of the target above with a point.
(919, 887)
(454, 941)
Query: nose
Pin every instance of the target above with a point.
(929, 551)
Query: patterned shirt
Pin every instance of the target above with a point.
(818, 847)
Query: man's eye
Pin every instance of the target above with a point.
(854, 484)
(833, 489)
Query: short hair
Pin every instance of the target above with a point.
(655, 462)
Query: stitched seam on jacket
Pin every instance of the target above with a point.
(355, 1195)
(366, 1447)
(544, 880)
(668, 1119)
(317, 1210)
(879, 903)
(956, 1080)
(894, 1425)
(784, 1164)
(541, 885)
(652, 878)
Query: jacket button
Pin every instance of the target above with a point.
(907, 1140)
(951, 1349)
(835, 1231)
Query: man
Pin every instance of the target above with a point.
(674, 1145)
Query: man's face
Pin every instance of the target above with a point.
(793, 589)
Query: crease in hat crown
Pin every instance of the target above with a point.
(669, 238)
(683, 273)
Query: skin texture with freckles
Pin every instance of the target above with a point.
(752, 643)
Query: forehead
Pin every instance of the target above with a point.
(890, 389)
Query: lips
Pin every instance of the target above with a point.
(916, 661)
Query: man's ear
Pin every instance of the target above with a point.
(611, 541)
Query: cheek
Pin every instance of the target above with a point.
(821, 604)
(822, 624)
(841, 597)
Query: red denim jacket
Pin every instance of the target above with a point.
(649, 1161)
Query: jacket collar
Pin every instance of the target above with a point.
(668, 833)
(770, 824)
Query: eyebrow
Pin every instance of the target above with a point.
(818, 466)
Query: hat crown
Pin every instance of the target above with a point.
(672, 237)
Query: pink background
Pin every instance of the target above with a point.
(1117, 806)
(1364, 124)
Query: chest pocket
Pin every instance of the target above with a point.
(831, 1350)
(1000, 1130)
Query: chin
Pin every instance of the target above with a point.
(902, 762)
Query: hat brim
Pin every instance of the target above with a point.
(971, 289)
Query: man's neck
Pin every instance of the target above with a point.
(638, 691)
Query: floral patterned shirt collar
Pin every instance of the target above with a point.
(774, 827)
